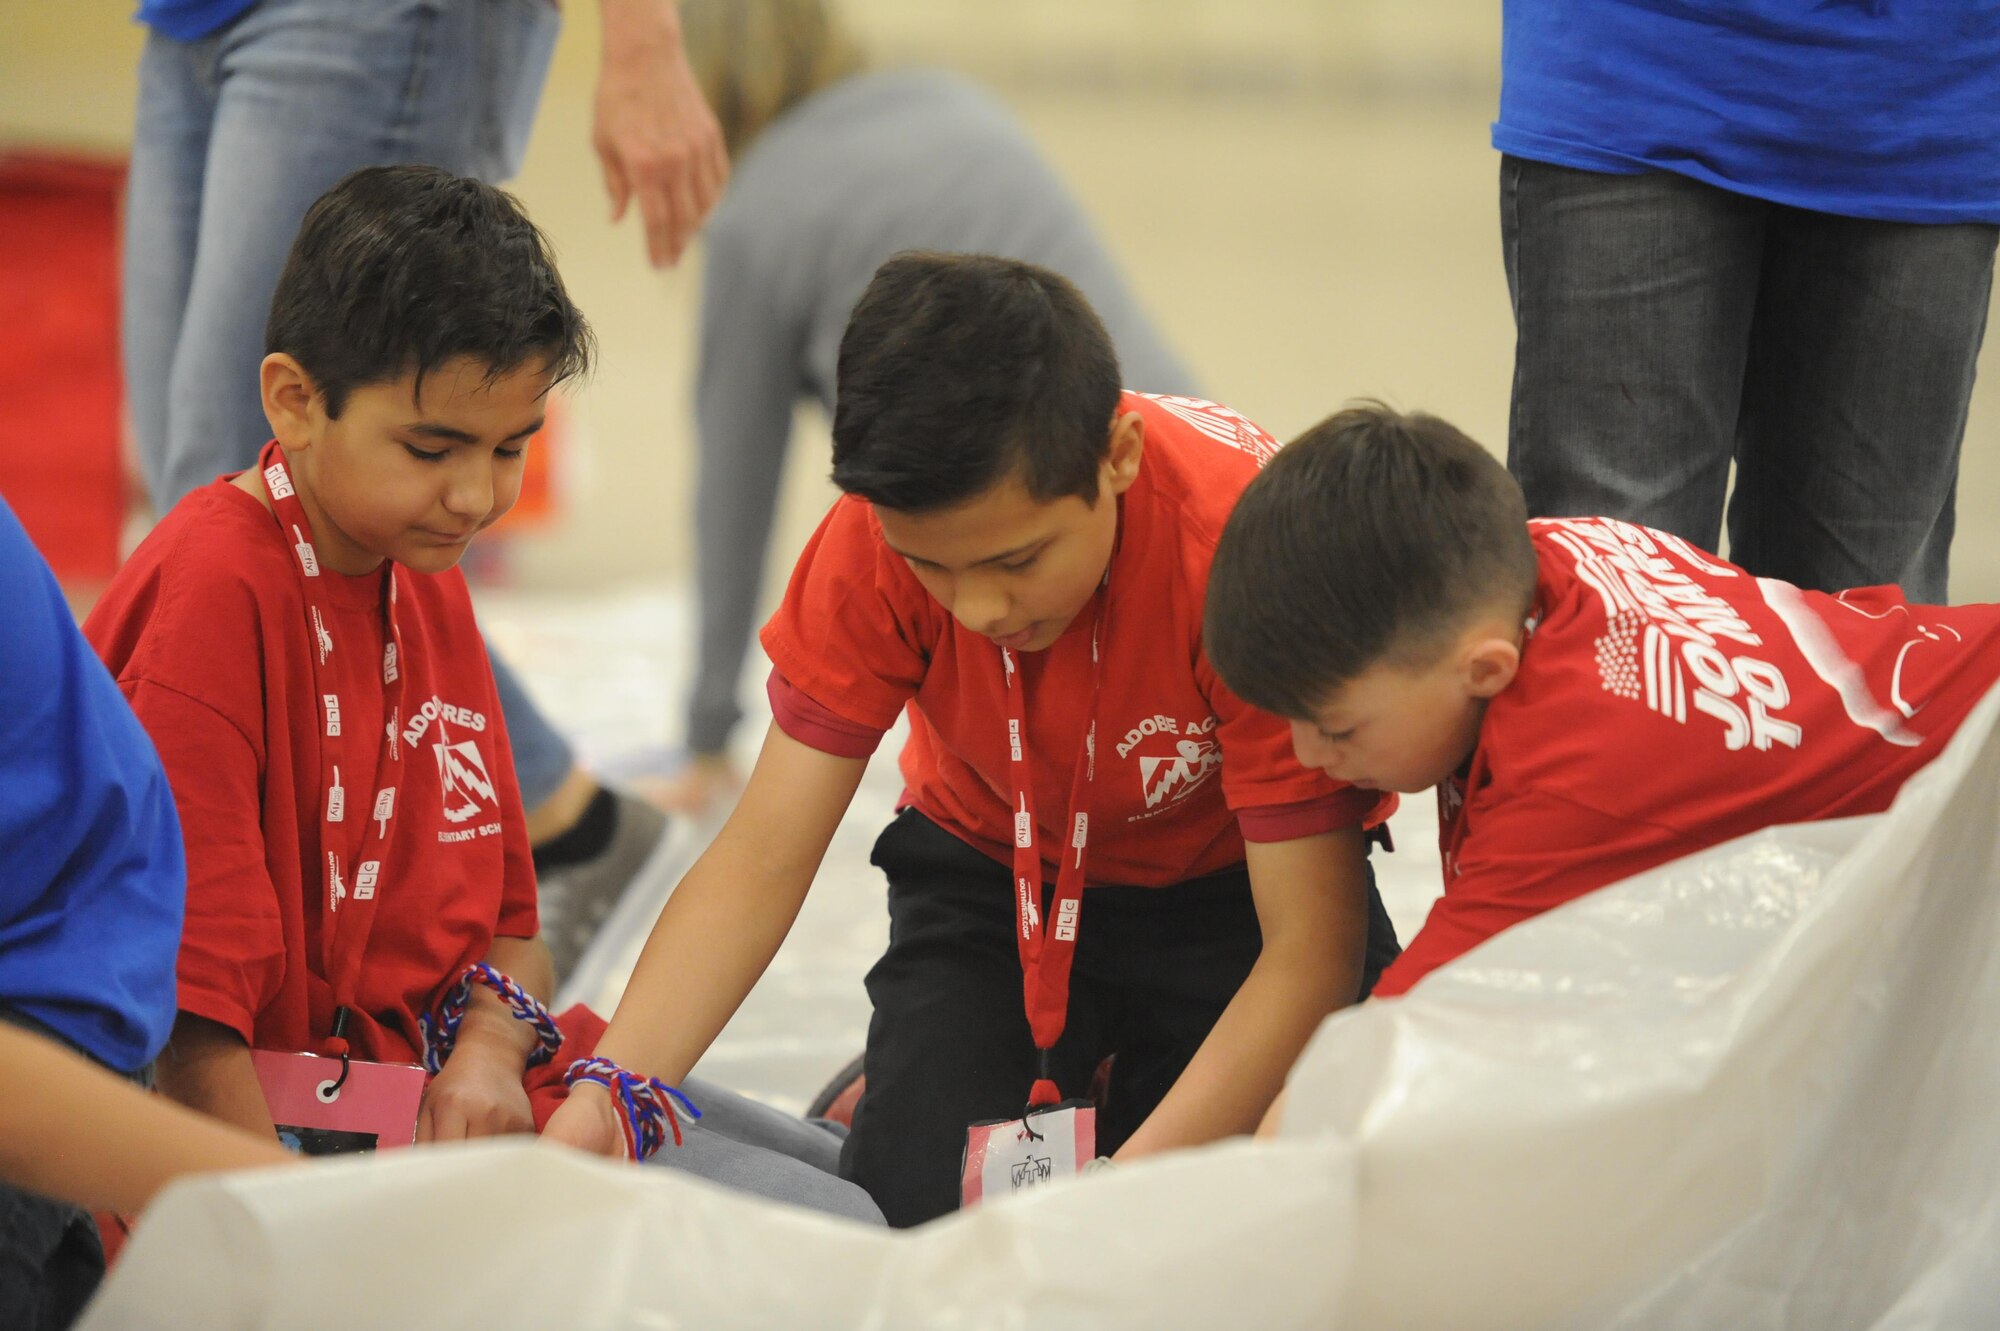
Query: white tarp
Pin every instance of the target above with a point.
(1757, 1088)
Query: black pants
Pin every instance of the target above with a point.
(948, 1044)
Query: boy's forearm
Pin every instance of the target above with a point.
(1241, 1067)
(73, 1131)
(1313, 907)
(725, 920)
(207, 1067)
(490, 1026)
(717, 934)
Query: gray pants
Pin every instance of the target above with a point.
(1665, 327)
(753, 1148)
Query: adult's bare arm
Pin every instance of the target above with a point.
(657, 140)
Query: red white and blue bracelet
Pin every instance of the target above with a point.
(646, 1104)
(440, 1033)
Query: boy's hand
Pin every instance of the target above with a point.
(588, 1121)
(479, 1094)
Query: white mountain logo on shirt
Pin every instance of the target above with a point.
(462, 776)
(1175, 778)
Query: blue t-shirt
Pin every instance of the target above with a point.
(190, 20)
(1885, 109)
(92, 879)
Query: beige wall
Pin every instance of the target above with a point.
(1301, 190)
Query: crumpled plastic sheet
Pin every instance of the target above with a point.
(1757, 1088)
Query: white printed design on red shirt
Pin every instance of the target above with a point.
(1822, 652)
(1671, 642)
(1220, 424)
(468, 790)
(465, 782)
(1186, 760)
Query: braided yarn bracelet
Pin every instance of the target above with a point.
(440, 1033)
(644, 1104)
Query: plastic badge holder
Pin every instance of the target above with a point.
(375, 1108)
(1010, 1155)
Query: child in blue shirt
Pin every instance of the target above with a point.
(91, 887)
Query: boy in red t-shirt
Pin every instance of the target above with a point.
(300, 645)
(1018, 565)
(1590, 698)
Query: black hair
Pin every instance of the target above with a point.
(959, 370)
(1372, 537)
(399, 269)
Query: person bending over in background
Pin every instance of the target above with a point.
(838, 166)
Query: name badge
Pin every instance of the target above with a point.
(374, 1109)
(1010, 1155)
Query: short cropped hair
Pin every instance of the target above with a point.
(400, 269)
(1372, 538)
(958, 371)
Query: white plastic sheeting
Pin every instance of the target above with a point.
(1757, 1088)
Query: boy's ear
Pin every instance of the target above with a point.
(1121, 459)
(288, 393)
(1490, 664)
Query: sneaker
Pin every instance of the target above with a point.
(576, 899)
(836, 1100)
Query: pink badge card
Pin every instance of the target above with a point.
(1015, 1154)
(374, 1109)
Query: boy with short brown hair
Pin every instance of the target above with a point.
(1590, 698)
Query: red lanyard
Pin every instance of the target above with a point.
(1047, 947)
(349, 882)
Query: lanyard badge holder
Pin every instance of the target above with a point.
(1053, 1138)
(331, 1103)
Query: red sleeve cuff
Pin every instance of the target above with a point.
(1347, 807)
(210, 1006)
(816, 727)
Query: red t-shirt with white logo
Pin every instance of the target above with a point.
(207, 632)
(1185, 769)
(1667, 702)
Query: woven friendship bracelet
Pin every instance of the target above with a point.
(441, 1032)
(645, 1103)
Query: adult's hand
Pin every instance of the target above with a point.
(655, 136)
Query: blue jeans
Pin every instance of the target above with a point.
(237, 134)
(1665, 327)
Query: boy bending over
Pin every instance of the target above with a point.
(1590, 698)
(301, 647)
(1019, 562)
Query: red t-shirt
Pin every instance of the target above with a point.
(1185, 770)
(206, 630)
(1667, 702)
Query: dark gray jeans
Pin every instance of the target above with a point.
(1664, 327)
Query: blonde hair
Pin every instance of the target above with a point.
(755, 59)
